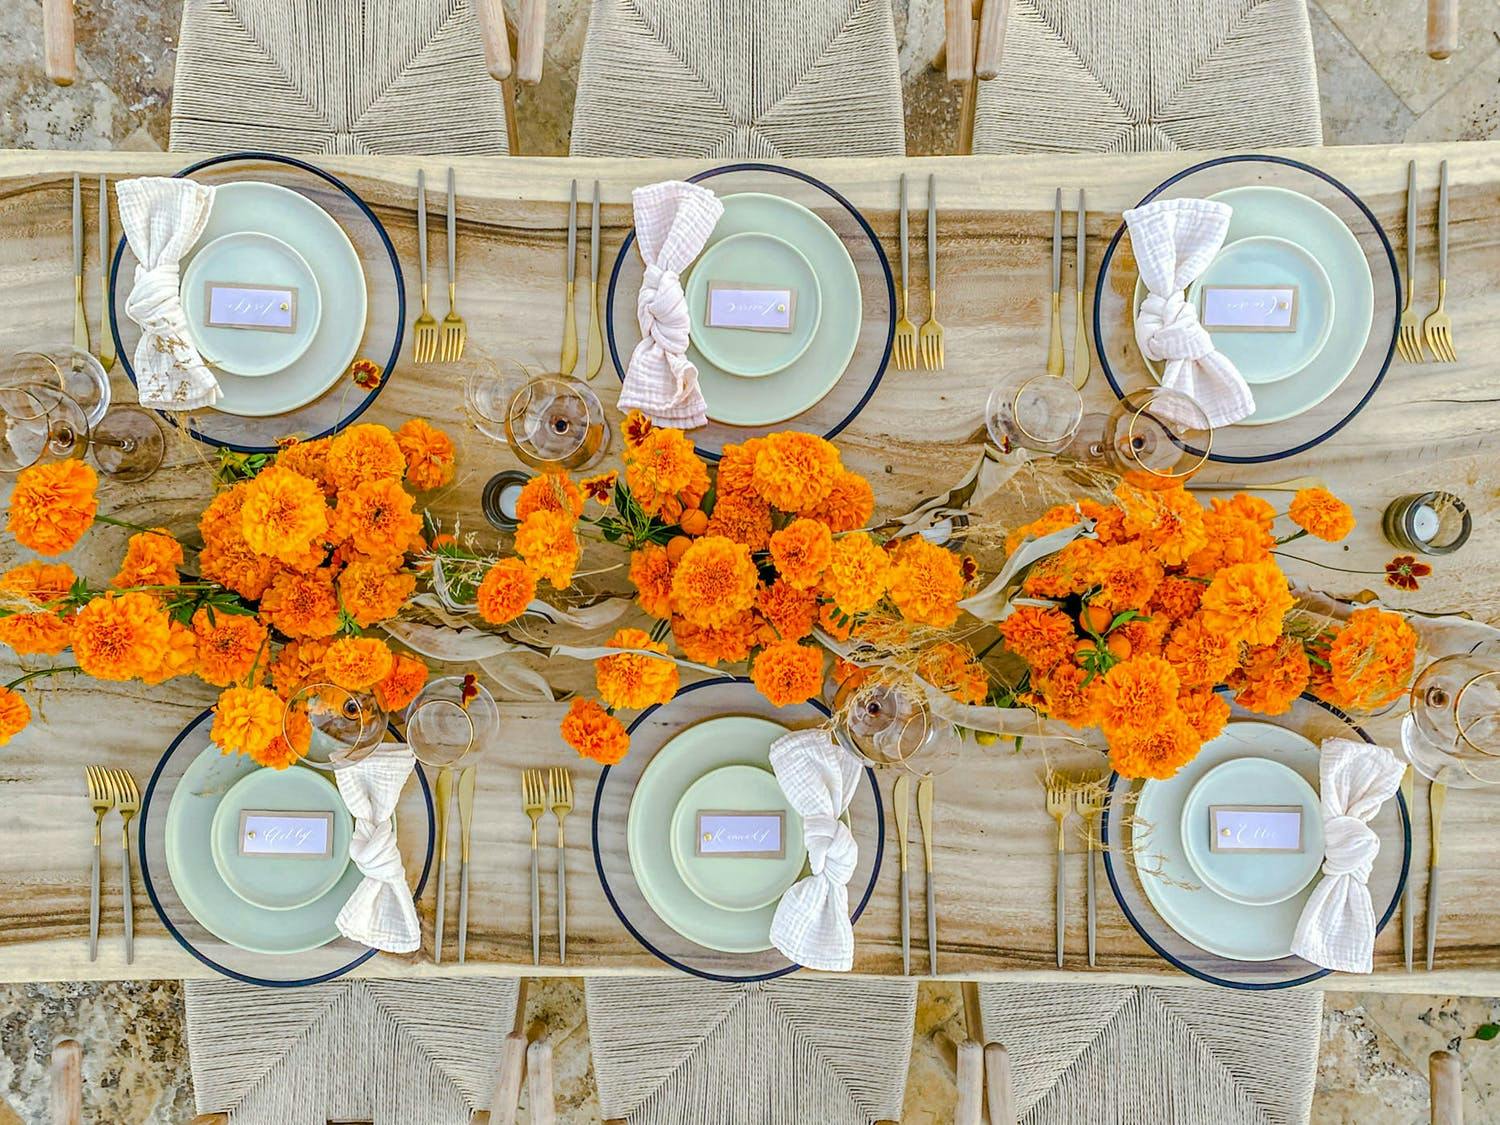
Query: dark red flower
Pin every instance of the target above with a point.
(1403, 572)
(470, 689)
(365, 373)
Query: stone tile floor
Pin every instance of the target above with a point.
(1378, 86)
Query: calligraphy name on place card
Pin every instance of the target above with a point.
(1255, 828)
(757, 308)
(264, 308)
(287, 835)
(747, 835)
(1250, 308)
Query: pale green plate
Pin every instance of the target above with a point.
(1210, 921)
(250, 258)
(733, 882)
(1258, 879)
(270, 881)
(189, 851)
(730, 740)
(737, 401)
(1264, 357)
(757, 260)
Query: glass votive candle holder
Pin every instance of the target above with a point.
(501, 492)
(1430, 523)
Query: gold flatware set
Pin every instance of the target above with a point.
(106, 349)
(111, 789)
(1436, 330)
(466, 780)
(901, 800)
(1056, 362)
(542, 790)
(431, 341)
(568, 361)
(927, 341)
(1065, 796)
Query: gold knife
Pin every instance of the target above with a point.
(1055, 346)
(1437, 799)
(466, 780)
(569, 359)
(596, 334)
(1408, 920)
(901, 798)
(80, 321)
(1080, 322)
(106, 338)
(444, 800)
(924, 817)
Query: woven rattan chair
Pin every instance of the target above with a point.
(739, 78)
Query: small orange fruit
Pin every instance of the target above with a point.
(677, 547)
(1096, 618)
(1118, 645)
(1083, 650)
(693, 522)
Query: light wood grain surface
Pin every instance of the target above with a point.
(1428, 427)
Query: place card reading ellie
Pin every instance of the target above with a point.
(758, 308)
(288, 835)
(1250, 308)
(265, 308)
(1255, 828)
(746, 835)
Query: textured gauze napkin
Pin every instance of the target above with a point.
(819, 779)
(380, 912)
(1174, 241)
(1337, 927)
(162, 218)
(672, 222)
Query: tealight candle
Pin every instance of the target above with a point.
(1430, 523)
(501, 494)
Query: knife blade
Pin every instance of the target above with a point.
(466, 779)
(924, 817)
(901, 798)
(569, 358)
(596, 334)
(1408, 920)
(1437, 800)
(444, 800)
(1081, 360)
(106, 338)
(1055, 343)
(80, 320)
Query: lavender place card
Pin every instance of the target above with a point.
(1250, 308)
(746, 835)
(1255, 828)
(266, 308)
(287, 835)
(758, 308)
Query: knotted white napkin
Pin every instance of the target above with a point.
(380, 912)
(1174, 241)
(672, 222)
(162, 218)
(1337, 927)
(819, 778)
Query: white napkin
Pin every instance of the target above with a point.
(672, 222)
(1174, 241)
(819, 778)
(162, 218)
(1337, 927)
(380, 912)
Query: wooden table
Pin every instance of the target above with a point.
(1428, 427)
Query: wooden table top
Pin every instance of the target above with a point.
(1427, 427)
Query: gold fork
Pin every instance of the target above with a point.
(455, 332)
(533, 800)
(560, 797)
(931, 335)
(1059, 804)
(102, 797)
(1409, 339)
(1088, 799)
(128, 801)
(905, 347)
(1438, 327)
(424, 338)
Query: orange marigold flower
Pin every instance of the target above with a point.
(1370, 660)
(952, 667)
(1176, 598)
(291, 744)
(1167, 520)
(1068, 693)
(849, 504)
(247, 720)
(298, 663)
(801, 552)
(1201, 657)
(1137, 694)
(791, 612)
(637, 428)
(664, 473)
(310, 458)
(1247, 602)
(364, 453)
(284, 516)
(358, 663)
(714, 582)
(1321, 513)
(402, 683)
(1127, 576)
(736, 475)
(1271, 677)
(14, 714)
(835, 622)
(601, 486)
(926, 582)
(52, 505)
(1053, 519)
(229, 646)
(794, 470)
(1109, 519)
(1155, 751)
(151, 559)
(1248, 507)
(651, 572)
(1039, 635)
(1232, 539)
(428, 452)
(374, 590)
(226, 558)
(117, 636)
(858, 573)
(377, 517)
(595, 733)
(550, 492)
(33, 594)
(1146, 636)
(787, 672)
(547, 542)
(727, 643)
(1069, 571)
(178, 658)
(743, 517)
(1206, 712)
(507, 589)
(634, 680)
(302, 605)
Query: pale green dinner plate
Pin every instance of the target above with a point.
(254, 259)
(1256, 879)
(1261, 356)
(729, 740)
(757, 260)
(189, 851)
(737, 401)
(735, 882)
(274, 882)
(1210, 921)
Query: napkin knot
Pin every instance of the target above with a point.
(831, 848)
(373, 850)
(1168, 328)
(1351, 846)
(380, 912)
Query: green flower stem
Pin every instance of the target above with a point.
(1328, 566)
(40, 672)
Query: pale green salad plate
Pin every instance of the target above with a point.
(759, 261)
(736, 882)
(255, 259)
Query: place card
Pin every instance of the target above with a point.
(1250, 308)
(746, 835)
(264, 308)
(288, 835)
(758, 308)
(1255, 828)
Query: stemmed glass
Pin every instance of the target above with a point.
(38, 425)
(887, 722)
(1040, 412)
(46, 419)
(347, 725)
(449, 719)
(1455, 720)
(1153, 430)
(556, 422)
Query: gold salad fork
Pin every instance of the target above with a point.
(1059, 804)
(1438, 327)
(128, 801)
(1409, 339)
(455, 331)
(931, 335)
(534, 802)
(560, 797)
(1088, 799)
(424, 332)
(904, 352)
(102, 797)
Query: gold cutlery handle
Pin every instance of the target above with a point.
(596, 332)
(1437, 802)
(569, 359)
(1055, 343)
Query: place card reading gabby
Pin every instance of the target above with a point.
(286, 835)
(725, 833)
(264, 308)
(1249, 308)
(757, 308)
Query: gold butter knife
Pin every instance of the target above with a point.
(596, 335)
(1296, 484)
(924, 817)
(1080, 321)
(444, 802)
(1437, 800)
(1408, 919)
(80, 320)
(106, 338)
(569, 359)
(1055, 345)
(901, 798)
(466, 779)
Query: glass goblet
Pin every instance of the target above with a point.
(887, 722)
(39, 424)
(1157, 431)
(346, 725)
(129, 444)
(556, 422)
(451, 718)
(71, 370)
(1040, 412)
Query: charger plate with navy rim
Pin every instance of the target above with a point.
(1177, 916)
(191, 763)
(838, 393)
(1314, 417)
(655, 729)
(362, 293)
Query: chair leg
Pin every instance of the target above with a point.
(1000, 1090)
(1445, 1073)
(57, 41)
(506, 1097)
(970, 1109)
(67, 1083)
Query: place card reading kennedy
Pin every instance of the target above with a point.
(1250, 308)
(288, 835)
(758, 308)
(1255, 828)
(265, 308)
(746, 835)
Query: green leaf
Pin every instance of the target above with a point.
(1487, 1031)
(1125, 616)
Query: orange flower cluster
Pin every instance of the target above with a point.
(595, 733)
(634, 680)
(14, 714)
(1319, 512)
(37, 622)
(52, 506)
